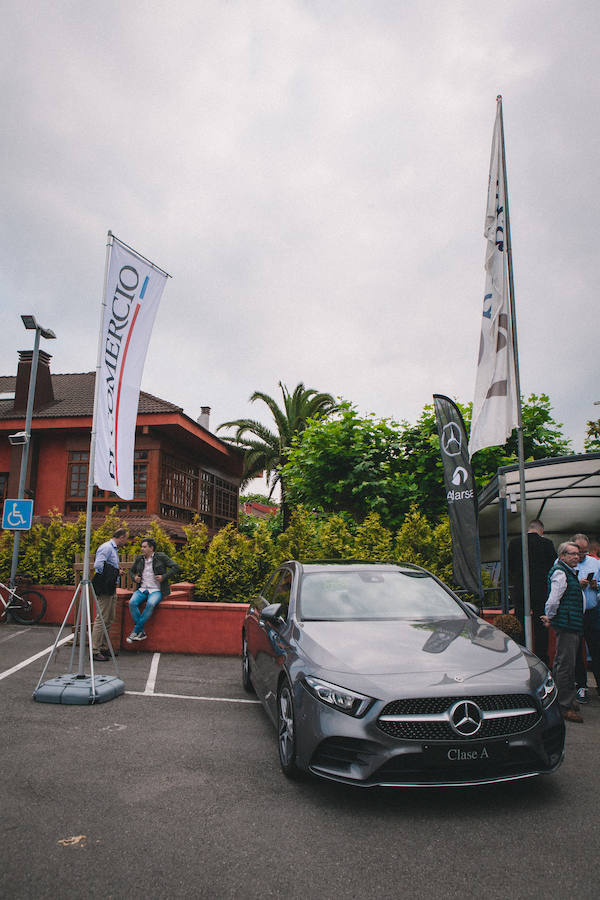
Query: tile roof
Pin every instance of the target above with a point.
(74, 396)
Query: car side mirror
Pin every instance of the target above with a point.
(271, 612)
(472, 607)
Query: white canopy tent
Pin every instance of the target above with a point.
(564, 492)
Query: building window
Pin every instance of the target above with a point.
(104, 500)
(140, 474)
(226, 500)
(218, 500)
(78, 472)
(179, 489)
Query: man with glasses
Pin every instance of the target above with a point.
(588, 574)
(564, 612)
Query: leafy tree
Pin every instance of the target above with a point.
(266, 449)
(362, 464)
(592, 437)
(352, 464)
(257, 498)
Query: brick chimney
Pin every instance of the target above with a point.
(204, 417)
(44, 392)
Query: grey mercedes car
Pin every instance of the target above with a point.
(377, 674)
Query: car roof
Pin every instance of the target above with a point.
(332, 565)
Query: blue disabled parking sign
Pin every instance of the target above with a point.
(18, 515)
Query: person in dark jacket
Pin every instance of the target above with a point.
(151, 571)
(107, 570)
(541, 559)
(564, 612)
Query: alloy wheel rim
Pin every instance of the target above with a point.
(286, 726)
(245, 661)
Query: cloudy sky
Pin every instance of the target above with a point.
(313, 175)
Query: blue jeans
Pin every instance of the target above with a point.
(152, 599)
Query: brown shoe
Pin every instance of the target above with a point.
(571, 716)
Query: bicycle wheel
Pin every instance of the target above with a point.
(29, 609)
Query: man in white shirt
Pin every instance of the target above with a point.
(564, 612)
(588, 572)
(151, 572)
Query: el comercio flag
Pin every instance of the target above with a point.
(132, 294)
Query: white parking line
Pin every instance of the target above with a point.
(12, 635)
(151, 683)
(31, 659)
(191, 697)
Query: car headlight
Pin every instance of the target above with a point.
(547, 690)
(340, 698)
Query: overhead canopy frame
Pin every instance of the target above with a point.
(563, 491)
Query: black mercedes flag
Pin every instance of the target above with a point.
(460, 494)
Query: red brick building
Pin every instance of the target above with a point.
(180, 468)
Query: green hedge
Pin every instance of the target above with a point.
(233, 565)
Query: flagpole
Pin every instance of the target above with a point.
(520, 445)
(85, 575)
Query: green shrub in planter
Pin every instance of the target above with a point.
(229, 569)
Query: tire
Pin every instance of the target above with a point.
(246, 679)
(286, 731)
(35, 604)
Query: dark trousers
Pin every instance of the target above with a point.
(568, 644)
(592, 640)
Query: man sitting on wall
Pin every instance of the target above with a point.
(151, 571)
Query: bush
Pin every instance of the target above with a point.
(229, 571)
(192, 556)
(300, 540)
(336, 538)
(373, 540)
(233, 566)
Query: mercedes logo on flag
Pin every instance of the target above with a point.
(451, 439)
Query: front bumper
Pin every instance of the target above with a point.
(336, 746)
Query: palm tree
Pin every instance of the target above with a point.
(265, 448)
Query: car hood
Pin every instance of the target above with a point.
(430, 652)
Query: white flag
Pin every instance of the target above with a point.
(495, 402)
(132, 294)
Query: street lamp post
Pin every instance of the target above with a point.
(30, 323)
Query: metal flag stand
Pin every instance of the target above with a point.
(79, 688)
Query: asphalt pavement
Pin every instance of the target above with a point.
(174, 790)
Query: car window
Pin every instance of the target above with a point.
(283, 592)
(266, 595)
(369, 595)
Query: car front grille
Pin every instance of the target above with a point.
(428, 718)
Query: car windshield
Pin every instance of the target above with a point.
(371, 595)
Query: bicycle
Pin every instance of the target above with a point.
(27, 608)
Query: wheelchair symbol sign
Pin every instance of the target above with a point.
(18, 515)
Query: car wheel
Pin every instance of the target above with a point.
(246, 680)
(286, 731)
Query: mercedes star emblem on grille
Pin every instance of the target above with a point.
(466, 718)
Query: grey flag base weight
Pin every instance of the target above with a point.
(80, 689)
